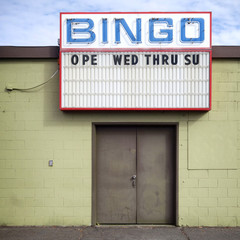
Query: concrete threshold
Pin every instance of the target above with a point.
(120, 232)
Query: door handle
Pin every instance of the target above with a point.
(133, 178)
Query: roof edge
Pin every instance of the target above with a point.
(226, 52)
(40, 52)
(29, 52)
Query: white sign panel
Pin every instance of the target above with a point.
(135, 61)
(135, 80)
(136, 30)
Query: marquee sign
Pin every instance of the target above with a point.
(135, 61)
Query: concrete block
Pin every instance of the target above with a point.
(11, 221)
(233, 192)
(188, 221)
(218, 211)
(34, 202)
(64, 211)
(225, 67)
(232, 106)
(74, 221)
(218, 173)
(227, 183)
(198, 211)
(234, 212)
(21, 193)
(234, 116)
(183, 174)
(198, 116)
(53, 182)
(14, 145)
(208, 183)
(72, 182)
(61, 192)
(11, 183)
(74, 145)
(183, 192)
(7, 173)
(86, 220)
(199, 174)
(67, 202)
(234, 173)
(24, 211)
(207, 202)
(6, 97)
(218, 192)
(234, 76)
(82, 211)
(6, 116)
(2, 164)
(73, 164)
(199, 192)
(44, 212)
(7, 154)
(33, 183)
(63, 173)
(220, 97)
(188, 202)
(44, 193)
(217, 116)
(87, 202)
(233, 96)
(7, 135)
(189, 183)
(227, 202)
(183, 211)
(208, 221)
(227, 221)
(212, 154)
(227, 87)
(7, 212)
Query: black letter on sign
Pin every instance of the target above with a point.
(134, 59)
(174, 61)
(85, 59)
(148, 56)
(94, 59)
(195, 62)
(74, 59)
(117, 59)
(155, 59)
(187, 60)
(164, 59)
(126, 59)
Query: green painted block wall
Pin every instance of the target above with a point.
(33, 131)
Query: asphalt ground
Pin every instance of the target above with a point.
(119, 233)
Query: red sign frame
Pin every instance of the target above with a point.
(136, 50)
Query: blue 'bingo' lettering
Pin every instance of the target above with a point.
(169, 32)
(87, 30)
(133, 39)
(185, 21)
(89, 36)
(104, 29)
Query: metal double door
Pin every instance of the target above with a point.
(136, 174)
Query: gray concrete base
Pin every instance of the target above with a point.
(118, 233)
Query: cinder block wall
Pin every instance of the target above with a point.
(33, 131)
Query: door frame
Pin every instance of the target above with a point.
(94, 159)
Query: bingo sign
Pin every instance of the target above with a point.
(135, 61)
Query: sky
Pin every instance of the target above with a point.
(36, 22)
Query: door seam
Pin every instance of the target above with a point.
(136, 156)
